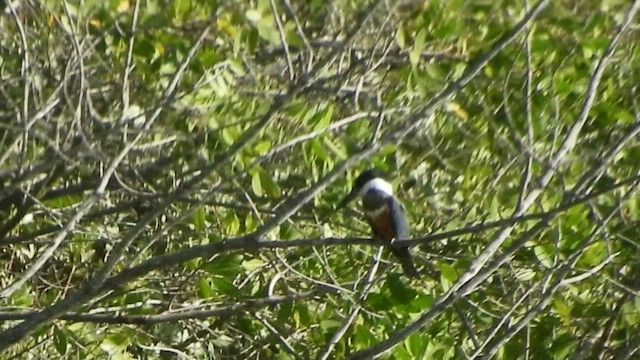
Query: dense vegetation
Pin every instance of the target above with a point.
(169, 172)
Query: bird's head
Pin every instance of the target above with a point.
(369, 180)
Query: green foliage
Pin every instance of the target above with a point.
(149, 149)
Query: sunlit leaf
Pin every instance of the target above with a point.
(205, 289)
(418, 46)
(252, 264)
(256, 184)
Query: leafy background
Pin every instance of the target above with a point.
(169, 172)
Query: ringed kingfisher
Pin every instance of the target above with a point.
(384, 213)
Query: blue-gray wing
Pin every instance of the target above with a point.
(401, 227)
(399, 216)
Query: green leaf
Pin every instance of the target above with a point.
(267, 30)
(378, 302)
(329, 325)
(364, 336)
(563, 345)
(416, 345)
(448, 275)
(144, 48)
(335, 149)
(287, 232)
(418, 46)
(561, 307)
(400, 293)
(593, 255)
(63, 201)
(204, 289)
(199, 219)
(60, 341)
(421, 302)
(262, 147)
(402, 353)
(322, 119)
(253, 15)
(226, 137)
(434, 71)
(256, 184)
(232, 223)
(22, 297)
(253, 264)
(284, 314)
(250, 222)
(222, 341)
(115, 342)
(270, 186)
(302, 315)
(318, 149)
(225, 265)
(181, 7)
(225, 286)
(401, 37)
(283, 355)
(544, 253)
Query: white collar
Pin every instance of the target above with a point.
(377, 184)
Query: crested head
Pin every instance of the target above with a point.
(372, 179)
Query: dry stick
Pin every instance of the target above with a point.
(128, 67)
(302, 35)
(84, 208)
(318, 67)
(52, 103)
(629, 349)
(172, 317)
(414, 121)
(242, 243)
(250, 134)
(492, 248)
(283, 40)
(467, 280)
(281, 339)
(528, 172)
(162, 350)
(499, 261)
(509, 251)
(547, 295)
(94, 286)
(241, 143)
(335, 339)
(593, 176)
(466, 324)
(490, 269)
(29, 198)
(249, 243)
(293, 204)
(598, 347)
(104, 181)
(26, 76)
(14, 334)
(443, 98)
(315, 133)
(507, 316)
(121, 248)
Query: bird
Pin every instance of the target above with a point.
(384, 213)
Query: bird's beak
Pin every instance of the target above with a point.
(347, 199)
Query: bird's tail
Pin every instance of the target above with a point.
(404, 256)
